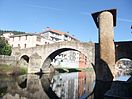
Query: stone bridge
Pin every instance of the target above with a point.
(40, 57)
(101, 56)
(123, 49)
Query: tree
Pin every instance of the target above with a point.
(5, 48)
(14, 32)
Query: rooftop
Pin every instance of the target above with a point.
(28, 34)
(47, 30)
(59, 32)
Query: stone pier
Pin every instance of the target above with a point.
(105, 21)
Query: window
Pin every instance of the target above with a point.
(39, 39)
(25, 45)
(66, 36)
(13, 38)
(19, 45)
(61, 60)
(37, 45)
(26, 37)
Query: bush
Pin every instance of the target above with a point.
(18, 70)
(5, 48)
(23, 71)
(12, 70)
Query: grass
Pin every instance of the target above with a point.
(12, 70)
(23, 71)
(4, 68)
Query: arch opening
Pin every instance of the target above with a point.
(123, 67)
(49, 59)
(25, 57)
(22, 81)
(77, 61)
(23, 84)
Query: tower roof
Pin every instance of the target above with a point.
(96, 14)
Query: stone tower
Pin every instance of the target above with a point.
(105, 22)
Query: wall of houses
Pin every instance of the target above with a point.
(65, 59)
(26, 40)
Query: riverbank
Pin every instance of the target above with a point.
(12, 70)
(68, 70)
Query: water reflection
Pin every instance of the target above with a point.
(72, 87)
(77, 85)
(33, 90)
(65, 86)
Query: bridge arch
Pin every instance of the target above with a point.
(123, 50)
(25, 57)
(123, 66)
(52, 55)
(24, 61)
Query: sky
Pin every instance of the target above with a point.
(73, 16)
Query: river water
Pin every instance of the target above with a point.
(74, 85)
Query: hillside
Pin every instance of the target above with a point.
(15, 32)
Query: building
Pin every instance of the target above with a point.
(26, 40)
(7, 35)
(68, 59)
(56, 35)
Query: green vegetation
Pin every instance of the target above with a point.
(86, 69)
(3, 91)
(5, 48)
(7, 31)
(23, 70)
(12, 70)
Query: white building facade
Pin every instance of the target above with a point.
(26, 40)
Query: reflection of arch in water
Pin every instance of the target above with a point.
(33, 89)
(45, 81)
(25, 57)
(23, 84)
(123, 66)
(73, 85)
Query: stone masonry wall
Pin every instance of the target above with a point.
(8, 60)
